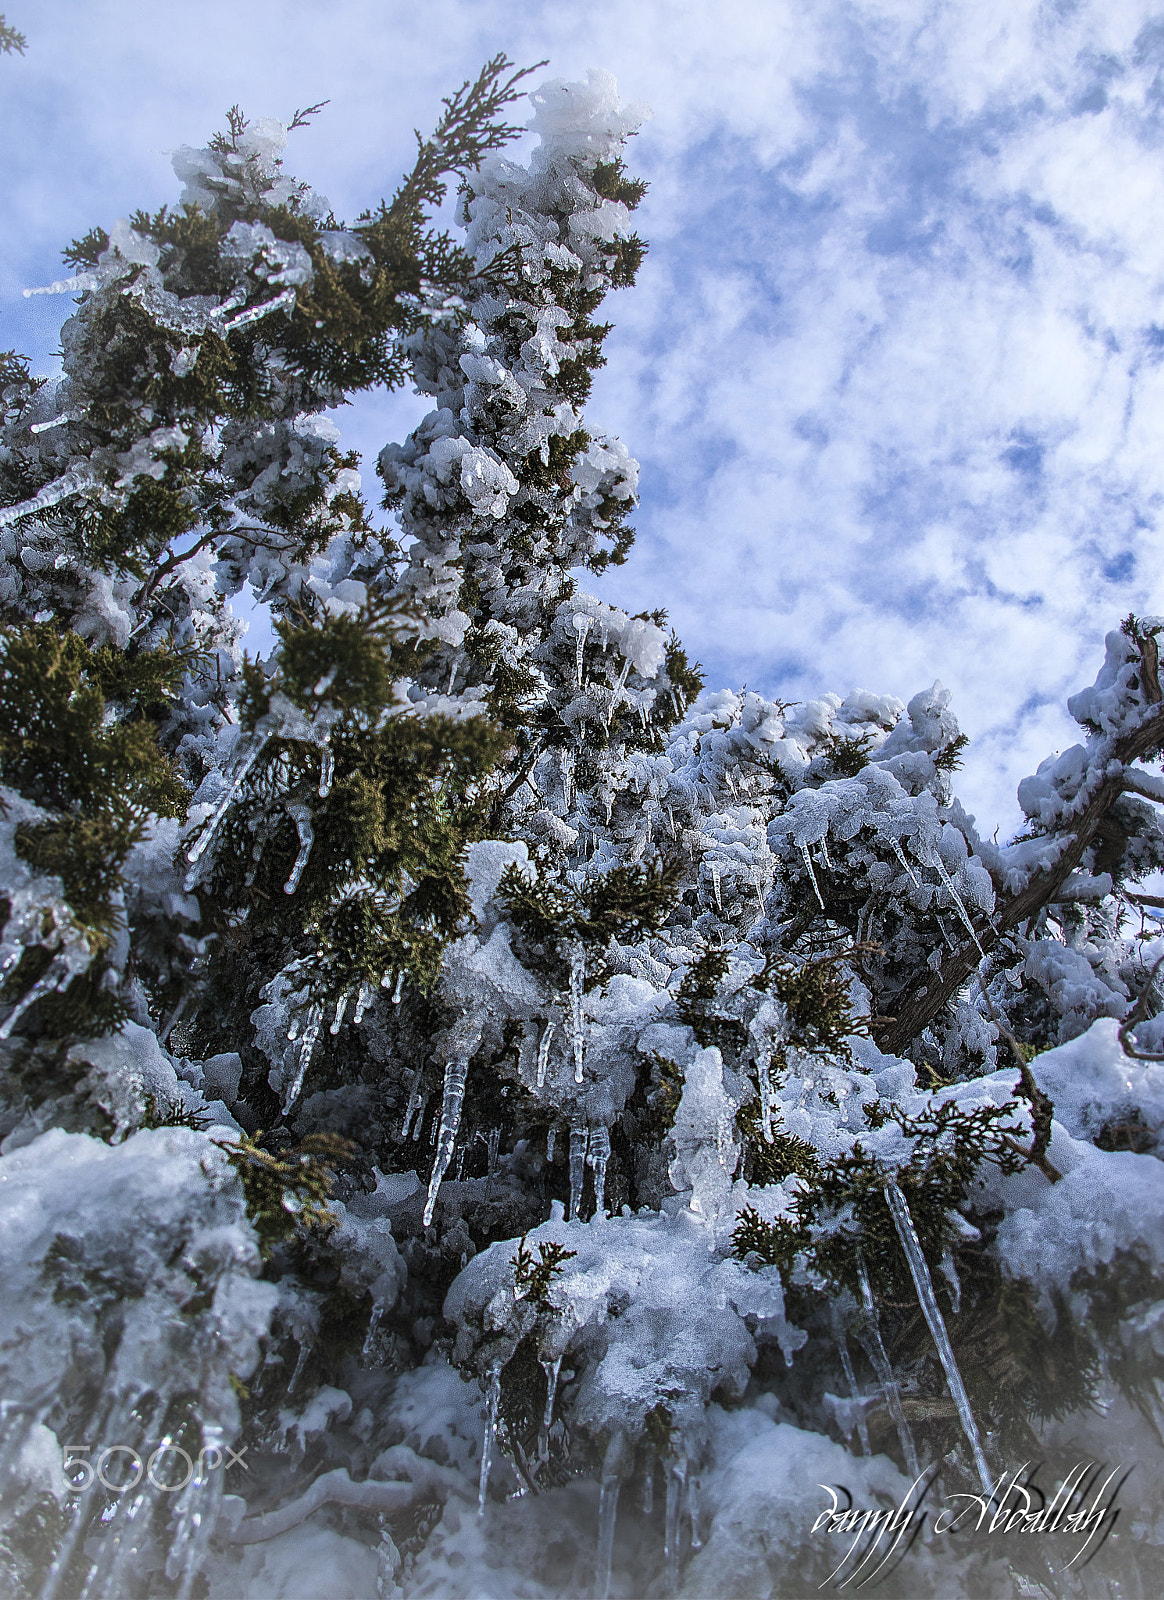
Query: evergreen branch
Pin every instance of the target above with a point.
(929, 993)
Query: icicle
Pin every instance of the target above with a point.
(850, 1378)
(824, 853)
(693, 1513)
(649, 1483)
(57, 422)
(923, 1283)
(607, 1514)
(551, 1138)
(493, 1404)
(399, 989)
(247, 760)
(304, 1344)
(369, 1337)
(255, 313)
(597, 1156)
(578, 1142)
(950, 1273)
(454, 1096)
(310, 1034)
(293, 1027)
(326, 772)
(197, 1515)
(338, 1020)
(676, 1479)
(301, 816)
(901, 856)
(875, 1350)
(56, 976)
(420, 1106)
(948, 882)
(491, 1160)
(581, 628)
(551, 1370)
(363, 1001)
(544, 1054)
(764, 1073)
(619, 686)
(812, 874)
(73, 482)
(713, 870)
(577, 982)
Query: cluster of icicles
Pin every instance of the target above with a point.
(682, 1484)
(144, 1489)
(587, 1145)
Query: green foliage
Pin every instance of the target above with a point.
(11, 40)
(287, 1194)
(611, 182)
(626, 902)
(847, 756)
(841, 1213)
(78, 740)
(74, 722)
(949, 757)
(815, 997)
(532, 1278)
(786, 1156)
(383, 887)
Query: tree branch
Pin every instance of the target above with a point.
(921, 1001)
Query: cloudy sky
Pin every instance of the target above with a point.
(894, 368)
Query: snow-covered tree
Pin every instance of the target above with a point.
(460, 1061)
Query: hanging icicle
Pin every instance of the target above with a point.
(491, 1159)
(577, 984)
(948, 883)
(676, 1470)
(58, 974)
(850, 1377)
(812, 874)
(451, 1103)
(246, 759)
(870, 1336)
(714, 874)
(399, 989)
(551, 1370)
(611, 1483)
(326, 772)
(764, 1073)
(649, 1483)
(581, 627)
(900, 854)
(493, 1404)
(544, 1052)
(578, 1142)
(619, 686)
(313, 1023)
(597, 1155)
(415, 1101)
(338, 1020)
(928, 1300)
(300, 815)
(370, 1336)
(551, 1138)
(363, 1001)
(693, 1513)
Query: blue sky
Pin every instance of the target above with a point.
(894, 368)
